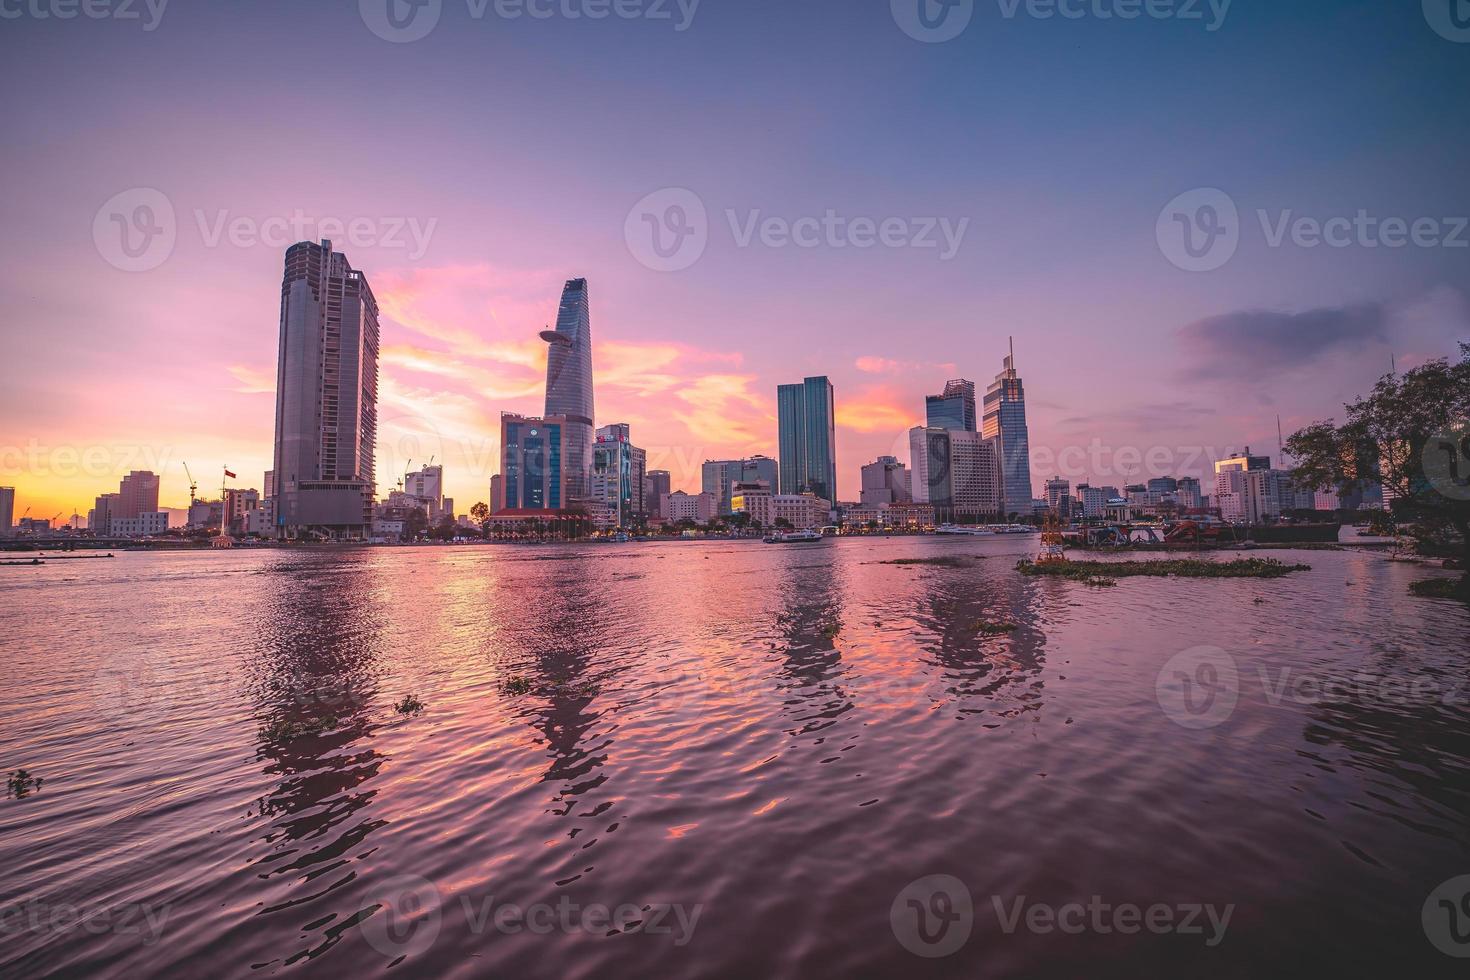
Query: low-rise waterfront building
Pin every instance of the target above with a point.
(143, 525)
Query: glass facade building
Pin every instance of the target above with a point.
(954, 408)
(807, 438)
(617, 474)
(569, 384)
(1005, 421)
(532, 458)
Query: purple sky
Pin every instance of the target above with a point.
(480, 165)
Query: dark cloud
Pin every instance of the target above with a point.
(1149, 416)
(1251, 345)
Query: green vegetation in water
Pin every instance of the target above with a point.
(21, 784)
(831, 630)
(516, 686)
(1442, 588)
(987, 628)
(410, 705)
(944, 561)
(1084, 571)
(520, 685)
(282, 730)
(571, 689)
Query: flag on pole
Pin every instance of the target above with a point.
(229, 475)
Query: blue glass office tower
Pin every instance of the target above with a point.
(531, 463)
(1005, 421)
(807, 438)
(569, 384)
(953, 409)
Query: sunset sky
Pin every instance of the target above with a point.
(515, 149)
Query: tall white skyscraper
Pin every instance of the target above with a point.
(326, 396)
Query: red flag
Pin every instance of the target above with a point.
(229, 475)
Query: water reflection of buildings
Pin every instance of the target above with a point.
(987, 671)
(810, 624)
(312, 680)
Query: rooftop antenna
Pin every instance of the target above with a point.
(1280, 445)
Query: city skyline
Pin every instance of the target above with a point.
(1119, 343)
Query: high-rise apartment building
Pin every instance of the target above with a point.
(1005, 421)
(137, 494)
(718, 476)
(1187, 493)
(656, 487)
(954, 408)
(569, 384)
(427, 487)
(929, 478)
(102, 513)
(533, 453)
(885, 481)
(617, 475)
(974, 474)
(1059, 496)
(1091, 501)
(808, 438)
(7, 511)
(326, 396)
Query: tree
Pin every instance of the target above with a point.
(415, 523)
(1412, 435)
(782, 522)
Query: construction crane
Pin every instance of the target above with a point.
(404, 477)
(193, 486)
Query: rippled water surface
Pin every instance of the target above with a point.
(745, 753)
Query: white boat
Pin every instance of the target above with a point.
(792, 537)
(972, 530)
